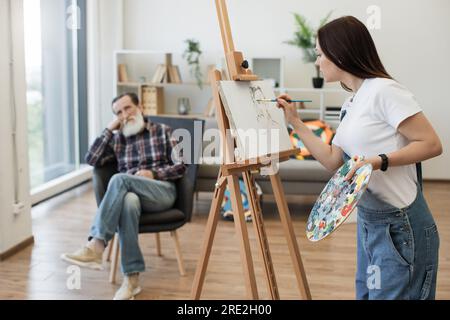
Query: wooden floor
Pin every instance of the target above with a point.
(61, 225)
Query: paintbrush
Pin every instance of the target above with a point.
(275, 100)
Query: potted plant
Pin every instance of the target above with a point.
(192, 55)
(305, 38)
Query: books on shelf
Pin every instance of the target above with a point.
(174, 74)
(167, 73)
(152, 100)
(158, 76)
(122, 73)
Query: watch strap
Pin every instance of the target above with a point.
(384, 162)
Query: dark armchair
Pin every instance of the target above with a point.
(168, 220)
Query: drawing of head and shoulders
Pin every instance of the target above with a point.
(262, 108)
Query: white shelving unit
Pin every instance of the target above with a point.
(269, 68)
(141, 66)
(323, 97)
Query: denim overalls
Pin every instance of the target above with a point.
(397, 248)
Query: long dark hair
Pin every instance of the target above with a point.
(349, 45)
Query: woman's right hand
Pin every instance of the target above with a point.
(290, 111)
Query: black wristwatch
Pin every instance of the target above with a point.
(384, 162)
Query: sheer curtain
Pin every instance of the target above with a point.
(57, 97)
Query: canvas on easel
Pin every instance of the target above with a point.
(259, 127)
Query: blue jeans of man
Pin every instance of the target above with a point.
(125, 198)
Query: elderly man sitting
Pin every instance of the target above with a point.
(143, 151)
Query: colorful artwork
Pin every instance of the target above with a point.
(320, 128)
(337, 201)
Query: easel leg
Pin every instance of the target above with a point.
(211, 226)
(290, 236)
(115, 259)
(260, 231)
(241, 230)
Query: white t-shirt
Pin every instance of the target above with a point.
(369, 128)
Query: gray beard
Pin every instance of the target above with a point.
(133, 128)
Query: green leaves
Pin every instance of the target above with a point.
(305, 36)
(192, 55)
(325, 20)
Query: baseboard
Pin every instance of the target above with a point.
(436, 180)
(19, 247)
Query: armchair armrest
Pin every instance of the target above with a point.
(101, 177)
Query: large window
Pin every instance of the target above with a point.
(55, 50)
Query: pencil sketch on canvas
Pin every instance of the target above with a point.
(262, 114)
(259, 126)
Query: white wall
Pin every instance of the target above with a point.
(413, 42)
(13, 229)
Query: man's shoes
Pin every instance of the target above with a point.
(129, 288)
(85, 257)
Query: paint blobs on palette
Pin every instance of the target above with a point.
(337, 201)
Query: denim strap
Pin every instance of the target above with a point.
(419, 174)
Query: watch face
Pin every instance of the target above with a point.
(337, 201)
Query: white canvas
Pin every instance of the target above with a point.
(260, 127)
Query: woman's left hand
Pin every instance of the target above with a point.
(360, 161)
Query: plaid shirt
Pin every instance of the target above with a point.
(149, 150)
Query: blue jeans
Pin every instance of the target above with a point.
(120, 209)
(397, 250)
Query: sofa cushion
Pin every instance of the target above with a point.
(155, 218)
(295, 170)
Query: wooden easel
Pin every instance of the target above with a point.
(229, 175)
